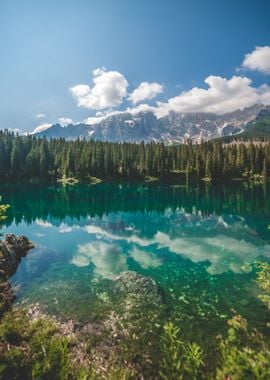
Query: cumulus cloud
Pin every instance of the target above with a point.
(131, 110)
(40, 116)
(145, 91)
(110, 87)
(65, 120)
(100, 116)
(40, 128)
(222, 96)
(140, 108)
(258, 59)
(219, 95)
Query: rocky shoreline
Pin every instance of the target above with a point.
(130, 326)
(12, 249)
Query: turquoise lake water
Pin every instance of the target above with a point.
(199, 243)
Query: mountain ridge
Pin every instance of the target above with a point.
(257, 129)
(145, 126)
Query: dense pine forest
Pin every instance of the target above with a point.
(31, 158)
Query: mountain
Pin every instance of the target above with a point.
(260, 128)
(257, 129)
(174, 127)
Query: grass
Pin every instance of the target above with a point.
(33, 349)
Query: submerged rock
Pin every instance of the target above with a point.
(137, 306)
(132, 284)
(12, 249)
(133, 311)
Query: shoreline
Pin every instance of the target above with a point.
(12, 250)
(72, 181)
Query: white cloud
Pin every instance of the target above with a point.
(41, 128)
(140, 108)
(100, 116)
(145, 91)
(110, 87)
(40, 116)
(264, 94)
(108, 259)
(222, 96)
(133, 111)
(94, 120)
(258, 59)
(65, 120)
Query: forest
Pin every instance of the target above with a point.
(30, 158)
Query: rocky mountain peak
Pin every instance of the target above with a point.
(174, 127)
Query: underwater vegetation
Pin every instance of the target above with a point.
(134, 341)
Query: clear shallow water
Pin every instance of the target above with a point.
(197, 243)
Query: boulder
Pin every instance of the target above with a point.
(143, 289)
(138, 304)
(12, 249)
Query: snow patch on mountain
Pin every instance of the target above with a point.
(145, 126)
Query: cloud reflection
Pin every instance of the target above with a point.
(108, 259)
(226, 242)
(144, 258)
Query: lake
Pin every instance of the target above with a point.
(199, 243)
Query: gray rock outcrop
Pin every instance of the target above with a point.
(12, 249)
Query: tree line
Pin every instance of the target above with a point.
(29, 158)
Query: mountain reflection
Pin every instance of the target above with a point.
(112, 227)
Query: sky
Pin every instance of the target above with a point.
(80, 60)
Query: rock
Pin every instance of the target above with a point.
(132, 284)
(138, 303)
(12, 249)
(6, 292)
(133, 312)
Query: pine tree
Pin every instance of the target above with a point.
(209, 166)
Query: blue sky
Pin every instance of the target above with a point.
(50, 47)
